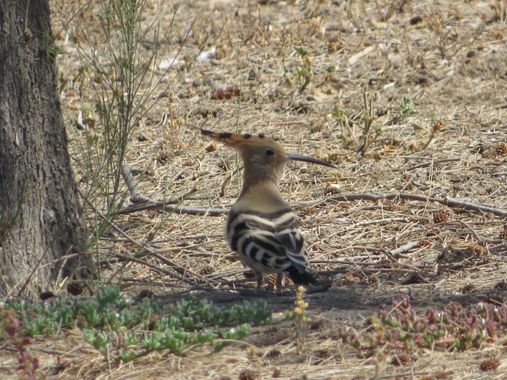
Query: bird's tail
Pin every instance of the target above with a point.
(300, 278)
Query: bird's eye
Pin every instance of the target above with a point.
(269, 152)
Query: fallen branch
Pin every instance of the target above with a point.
(429, 163)
(165, 206)
(450, 202)
(147, 204)
(142, 202)
(151, 266)
(135, 196)
(227, 180)
(403, 249)
(378, 221)
(368, 270)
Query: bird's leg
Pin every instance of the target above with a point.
(279, 282)
(260, 279)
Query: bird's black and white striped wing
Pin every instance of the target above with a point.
(268, 242)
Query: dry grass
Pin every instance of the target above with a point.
(446, 57)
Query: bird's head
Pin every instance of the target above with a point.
(263, 157)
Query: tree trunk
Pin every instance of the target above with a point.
(39, 223)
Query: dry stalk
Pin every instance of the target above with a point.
(177, 267)
(450, 202)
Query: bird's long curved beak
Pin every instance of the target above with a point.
(297, 157)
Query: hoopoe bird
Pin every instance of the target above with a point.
(261, 227)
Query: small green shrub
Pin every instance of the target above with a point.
(111, 324)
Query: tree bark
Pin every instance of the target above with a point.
(39, 222)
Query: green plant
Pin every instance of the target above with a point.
(351, 125)
(111, 324)
(120, 94)
(303, 72)
(48, 45)
(331, 69)
(369, 134)
(407, 107)
(346, 124)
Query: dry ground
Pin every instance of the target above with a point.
(435, 74)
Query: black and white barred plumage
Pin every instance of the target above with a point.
(261, 226)
(270, 243)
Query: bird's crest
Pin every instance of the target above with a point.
(236, 140)
(248, 143)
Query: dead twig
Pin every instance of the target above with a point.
(227, 180)
(142, 202)
(152, 266)
(404, 248)
(450, 202)
(430, 163)
(463, 224)
(30, 275)
(39, 266)
(348, 197)
(135, 196)
(412, 374)
(165, 206)
(178, 268)
(368, 270)
(378, 221)
(368, 122)
(147, 203)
